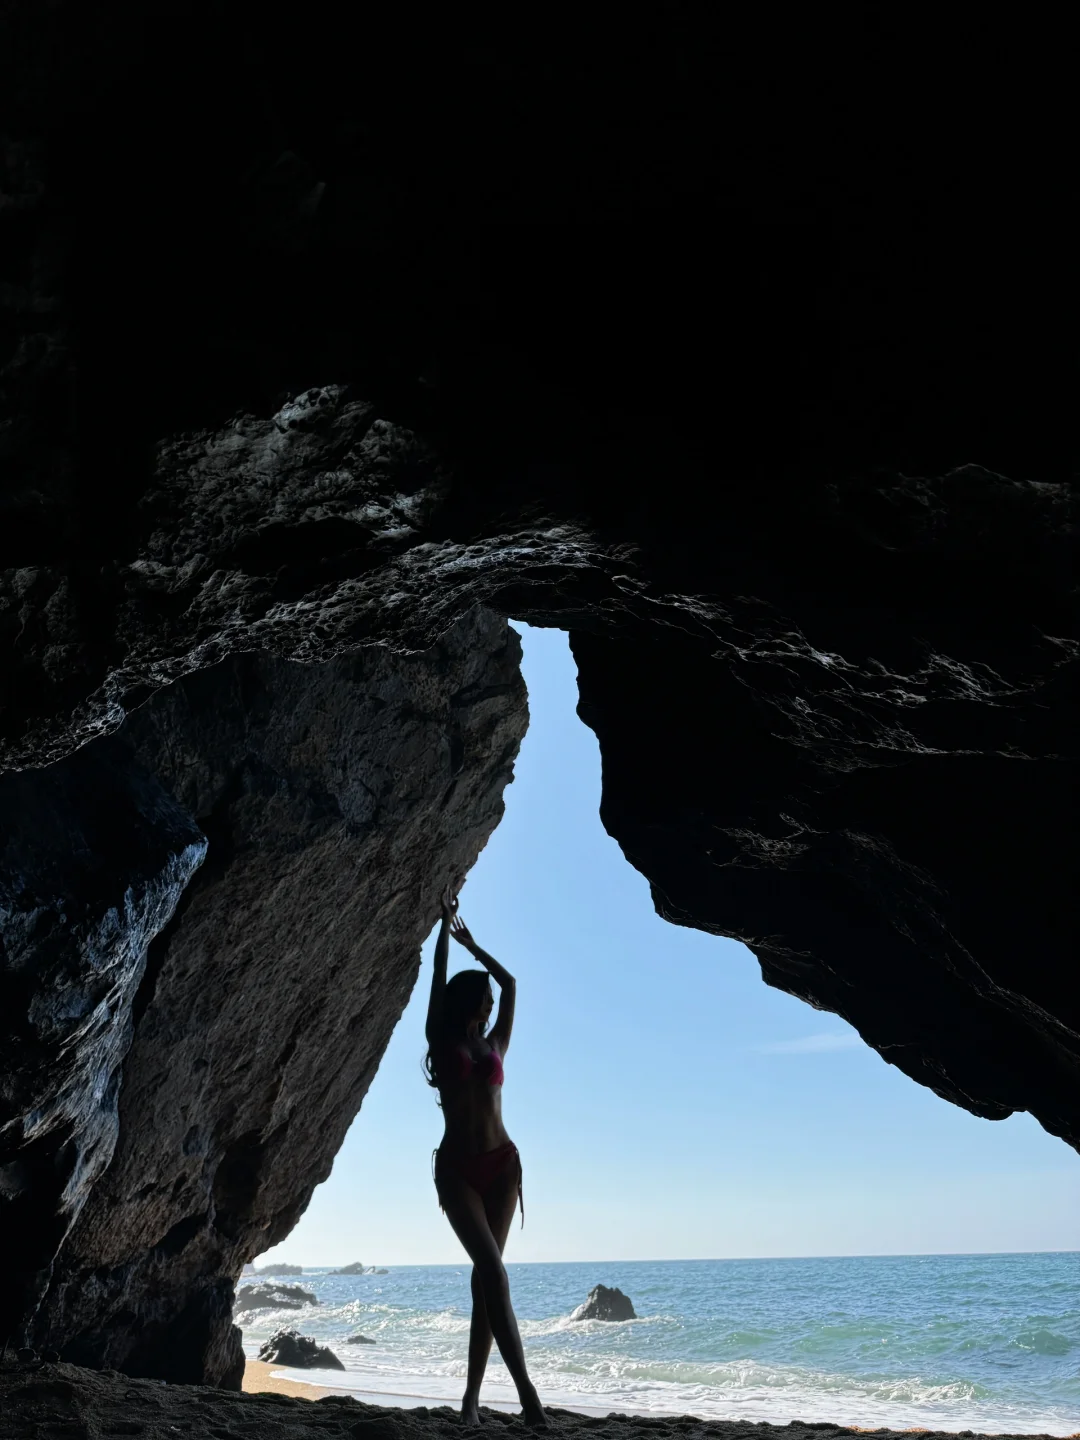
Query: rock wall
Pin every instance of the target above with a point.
(94, 857)
(336, 801)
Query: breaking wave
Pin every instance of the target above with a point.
(988, 1343)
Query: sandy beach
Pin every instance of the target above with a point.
(64, 1400)
(260, 1379)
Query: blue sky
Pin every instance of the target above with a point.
(667, 1104)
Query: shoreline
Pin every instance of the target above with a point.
(64, 1399)
(262, 1380)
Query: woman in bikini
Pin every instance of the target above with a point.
(477, 1166)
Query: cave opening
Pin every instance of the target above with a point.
(669, 1108)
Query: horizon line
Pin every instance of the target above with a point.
(699, 1259)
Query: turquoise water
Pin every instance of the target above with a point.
(979, 1342)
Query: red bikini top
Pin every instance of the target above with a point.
(489, 1068)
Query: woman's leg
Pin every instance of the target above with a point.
(499, 1203)
(466, 1213)
(480, 1338)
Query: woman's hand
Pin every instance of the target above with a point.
(449, 903)
(460, 932)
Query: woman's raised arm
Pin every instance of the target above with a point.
(438, 978)
(499, 1034)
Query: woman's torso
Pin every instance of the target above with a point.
(471, 1092)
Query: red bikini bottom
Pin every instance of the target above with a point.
(479, 1171)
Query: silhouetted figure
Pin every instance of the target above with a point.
(477, 1166)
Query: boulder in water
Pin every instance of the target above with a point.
(300, 1352)
(272, 1297)
(605, 1304)
(359, 1339)
(278, 1269)
(354, 1269)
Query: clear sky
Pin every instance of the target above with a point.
(667, 1104)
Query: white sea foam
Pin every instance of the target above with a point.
(981, 1343)
(745, 1392)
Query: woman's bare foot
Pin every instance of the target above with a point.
(534, 1416)
(470, 1411)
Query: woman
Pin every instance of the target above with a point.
(477, 1166)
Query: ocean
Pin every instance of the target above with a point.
(955, 1342)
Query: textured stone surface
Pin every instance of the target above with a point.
(289, 1347)
(337, 801)
(886, 825)
(272, 1297)
(605, 1302)
(94, 856)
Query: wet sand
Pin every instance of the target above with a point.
(260, 1379)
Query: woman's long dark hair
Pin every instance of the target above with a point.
(462, 998)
